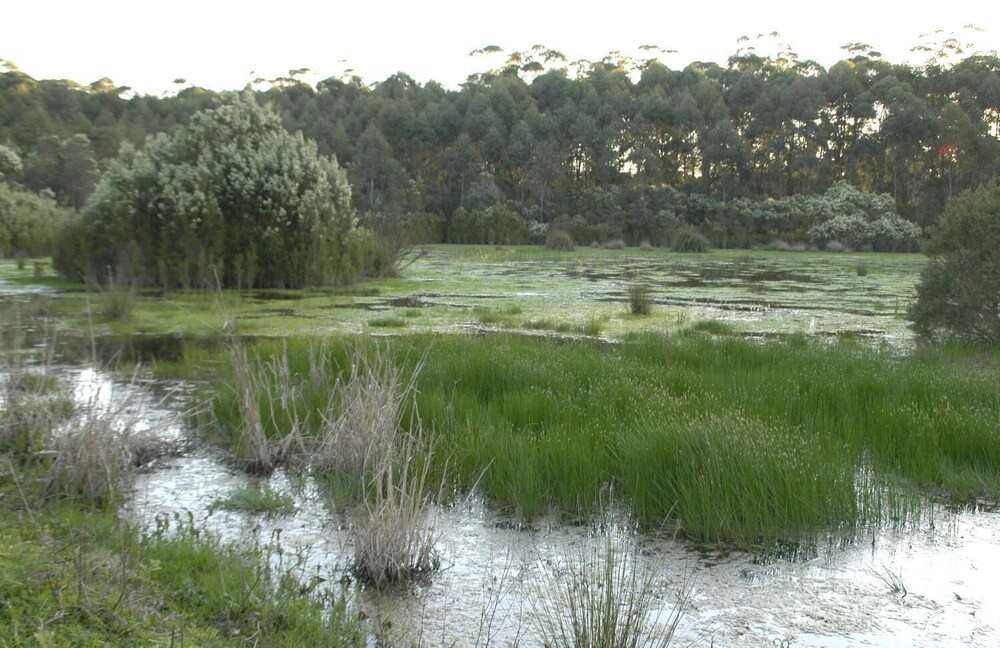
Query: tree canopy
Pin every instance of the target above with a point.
(609, 149)
(231, 195)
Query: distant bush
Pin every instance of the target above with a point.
(861, 220)
(958, 295)
(689, 239)
(423, 227)
(495, 225)
(559, 240)
(614, 244)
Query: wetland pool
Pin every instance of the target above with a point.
(834, 591)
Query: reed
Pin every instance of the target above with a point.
(727, 439)
(606, 599)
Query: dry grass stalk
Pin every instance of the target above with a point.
(94, 454)
(394, 543)
(361, 430)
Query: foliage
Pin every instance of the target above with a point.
(558, 239)
(495, 225)
(688, 239)
(29, 222)
(860, 220)
(610, 149)
(959, 291)
(232, 195)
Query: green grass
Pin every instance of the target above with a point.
(387, 321)
(72, 575)
(725, 439)
(257, 498)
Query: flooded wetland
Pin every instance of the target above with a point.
(765, 459)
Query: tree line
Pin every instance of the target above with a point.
(616, 149)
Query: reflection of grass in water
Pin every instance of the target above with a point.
(730, 440)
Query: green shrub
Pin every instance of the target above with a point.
(689, 239)
(559, 240)
(236, 197)
(958, 295)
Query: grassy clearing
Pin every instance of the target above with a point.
(723, 438)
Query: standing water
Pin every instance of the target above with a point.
(931, 584)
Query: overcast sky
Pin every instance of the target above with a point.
(223, 45)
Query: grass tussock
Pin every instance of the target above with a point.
(606, 599)
(640, 299)
(394, 542)
(341, 414)
(84, 447)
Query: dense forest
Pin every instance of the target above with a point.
(759, 149)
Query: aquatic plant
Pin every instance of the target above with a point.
(394, 542)
(723, 438)
(94, 454)
(640, 301)
(256, 498)
(605, 599)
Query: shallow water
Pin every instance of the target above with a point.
(499, 577)
(835, 593)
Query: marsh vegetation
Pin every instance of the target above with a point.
(768, 441)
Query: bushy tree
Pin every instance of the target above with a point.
(231, 194)
(28, 222)
(860, 219)
(958, 295)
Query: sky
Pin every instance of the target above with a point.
(224, 45)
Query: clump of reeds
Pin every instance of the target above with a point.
(94, 454)
(393, 541)
(349, 428)
(255, 448)
(607, 600)
(361, 425)
(117, 298)
(640, 301)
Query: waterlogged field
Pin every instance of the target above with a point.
(583, 292)
(766, 451)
